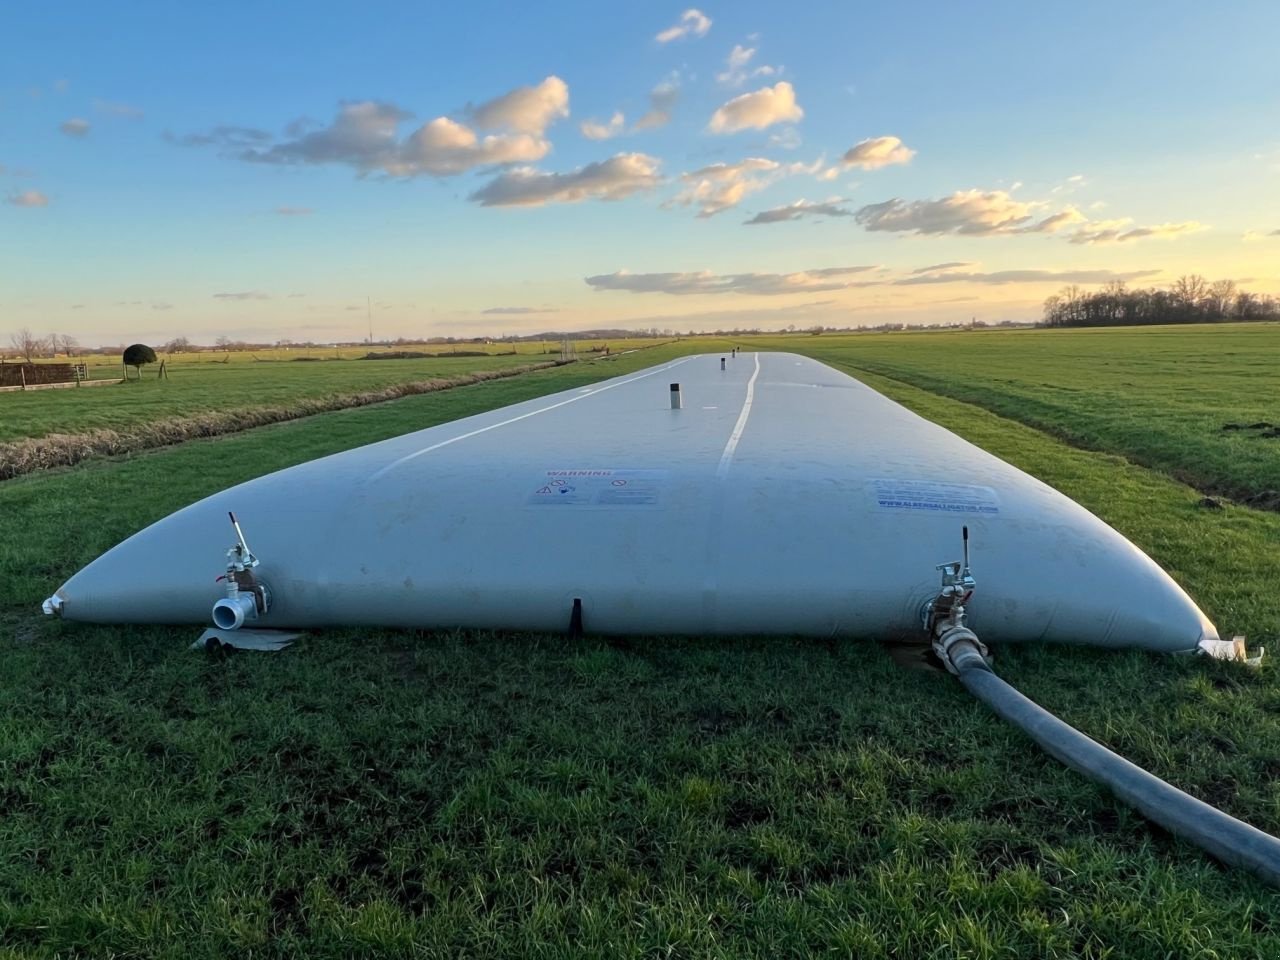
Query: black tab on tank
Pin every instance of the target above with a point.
(575, 619)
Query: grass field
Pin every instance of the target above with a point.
(1158, 396)
(202, 382)
(385, 793)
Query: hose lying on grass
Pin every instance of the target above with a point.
(65, 449)
(1230, 840)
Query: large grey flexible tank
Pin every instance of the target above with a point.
(785, 497)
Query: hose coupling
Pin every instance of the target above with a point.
(959, 649)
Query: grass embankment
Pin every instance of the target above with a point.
(66, 449)
(1197, 402)
(380, 793)
(200, 387)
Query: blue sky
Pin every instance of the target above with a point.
(259, 170)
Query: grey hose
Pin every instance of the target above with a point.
(1230, 840)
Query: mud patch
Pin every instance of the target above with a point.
(914, 656)
(1264, 500)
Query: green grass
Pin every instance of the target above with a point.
(1159, 396)
(199, 383)
(381, 793)
(196, 388)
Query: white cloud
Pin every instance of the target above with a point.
(75, 127)
(1122, 231)
(1052, 224)
(749, 284)
(1071, 184)
(518, 311)
(29, 198)
(842, 278)
(445, 147)
(128, 111)
(594, 130)
(736, 71)
(365, 135)
(966, 212)
(244, 295)
(294, 211)
(229, 137)
(526, 109)
(801, 209)
(662, 99)
(997, 213)
(813, 169)
(613, 179)
(692, 23)
(1002, 277)
(720, 186)
(788, 138)
(877, 152)
(949, 265)
(1251, 236)
(757, 110)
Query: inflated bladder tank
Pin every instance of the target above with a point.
(780, 497)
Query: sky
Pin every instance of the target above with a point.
(284, 170)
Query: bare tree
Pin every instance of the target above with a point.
(1190, 290)
(1221, 297)
(177, 345)
(27, 344)
(1191, 300)
(1248, 306)
(64, 343)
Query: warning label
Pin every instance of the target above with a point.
(598, 488)
(935, 496)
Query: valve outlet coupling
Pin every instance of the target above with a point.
(230, 613)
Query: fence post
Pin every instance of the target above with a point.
(22, 371)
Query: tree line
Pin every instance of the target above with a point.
(1191, 299)
(28, 346)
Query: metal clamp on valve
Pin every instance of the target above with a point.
(944, 617)
(247, 597)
